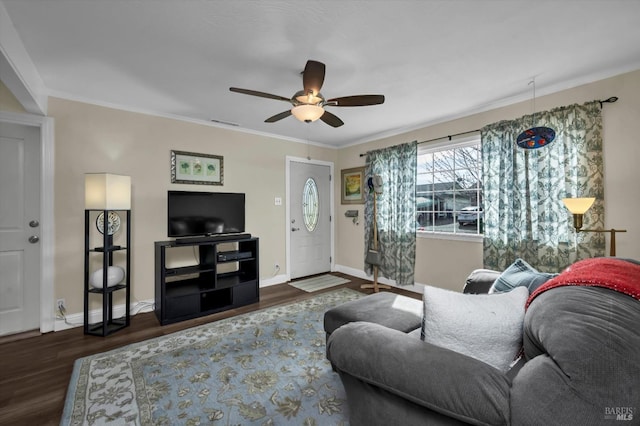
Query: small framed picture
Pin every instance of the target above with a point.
(194, 168)
(352, 187)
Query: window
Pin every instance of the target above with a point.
(310, 210)
(449, 188)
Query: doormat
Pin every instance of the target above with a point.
(319, 283)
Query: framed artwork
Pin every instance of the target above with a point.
(352, 186)
(193, 168)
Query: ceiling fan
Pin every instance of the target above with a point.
(308, 104)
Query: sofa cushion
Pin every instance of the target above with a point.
(389, 309)
(485, 327)
(520, 273)
(389, 376)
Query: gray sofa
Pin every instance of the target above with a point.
(581, 364)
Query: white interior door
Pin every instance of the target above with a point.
(310, 219)
(19, 228)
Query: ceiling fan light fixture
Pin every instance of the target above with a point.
(308, 98)
(308, 104)
(307, 113)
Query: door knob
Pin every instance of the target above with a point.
(34, 239)
(34, 224)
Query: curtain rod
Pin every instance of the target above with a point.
(610, 100)
(607, 101)
(442, 137)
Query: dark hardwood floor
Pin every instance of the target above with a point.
(35, 371)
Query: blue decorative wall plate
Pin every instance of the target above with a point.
(536, 137)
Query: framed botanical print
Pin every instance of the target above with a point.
(194, 168)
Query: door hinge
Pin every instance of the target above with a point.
(329, 178)
(330, 259)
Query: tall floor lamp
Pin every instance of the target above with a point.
(578, 207)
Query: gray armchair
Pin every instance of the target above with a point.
(580, 367)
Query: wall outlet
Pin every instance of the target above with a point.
(61, 306)
(276, 266)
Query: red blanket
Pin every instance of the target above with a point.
(615, 274)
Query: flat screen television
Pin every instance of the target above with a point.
(192, 213)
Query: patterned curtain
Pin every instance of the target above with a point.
(524, 215)
(396, 211)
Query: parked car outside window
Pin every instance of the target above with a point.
(470, 215)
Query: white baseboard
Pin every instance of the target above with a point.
(417, 287)
(77, 320)
(278, 279)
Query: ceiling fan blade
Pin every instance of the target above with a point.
(278, 117)
(260, 94)
(313, 77)
(357, 100)
(331, 119)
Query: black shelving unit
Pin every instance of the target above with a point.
(109, 324)
(206, 287)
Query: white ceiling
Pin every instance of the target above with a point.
(433, 60)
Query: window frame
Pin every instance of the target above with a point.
(472, 140)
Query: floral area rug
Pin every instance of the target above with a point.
(263, 368)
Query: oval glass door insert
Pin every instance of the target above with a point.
(310, 211)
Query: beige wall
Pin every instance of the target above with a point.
(90, 138)
(8, 102)
(446, 263)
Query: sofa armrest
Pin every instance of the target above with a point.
(441, 380)
(480, 281)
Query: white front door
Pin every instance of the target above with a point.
(309, 219)
(19, 228)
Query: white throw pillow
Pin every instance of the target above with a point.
(482, 326)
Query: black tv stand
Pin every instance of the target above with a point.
(224, 275)
(212, 238)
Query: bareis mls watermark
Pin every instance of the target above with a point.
(619, 413)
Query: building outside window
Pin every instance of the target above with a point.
(449, 188)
